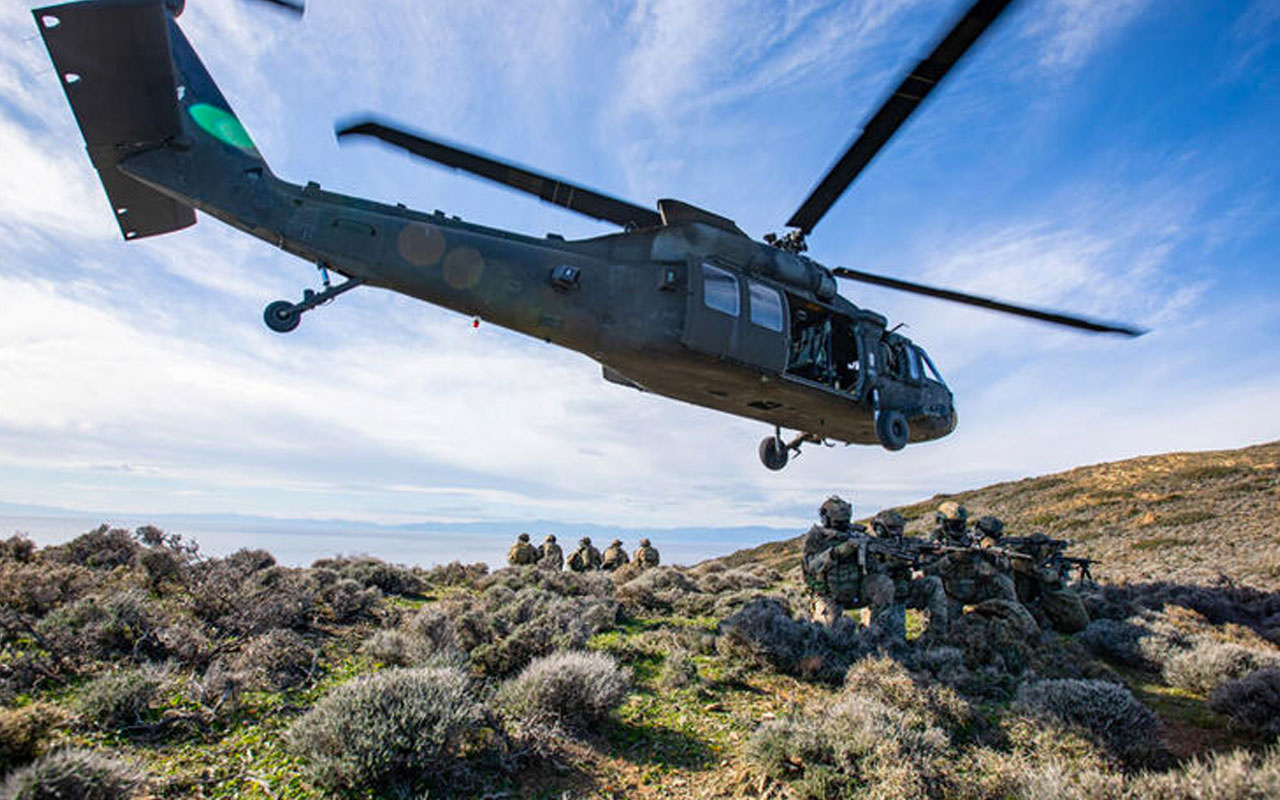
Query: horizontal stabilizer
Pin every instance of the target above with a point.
(114, 62)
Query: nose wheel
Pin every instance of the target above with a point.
(283, 316)
(775, 451)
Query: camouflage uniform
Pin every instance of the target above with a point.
(646, 555)
(614, 556)
(552, 556)
(1042, 587)
(522, 553)
(909, 589)
(586, 557)
(968, 576)
(834, 566)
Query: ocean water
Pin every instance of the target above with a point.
(300, 542)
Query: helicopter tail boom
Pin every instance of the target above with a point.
(136, 87)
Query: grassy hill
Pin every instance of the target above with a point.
(131, 666)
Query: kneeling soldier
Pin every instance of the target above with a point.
(909, 590)
(614, 556)
(522, 553)
(552, 555)
(586, 557)
(646, 555)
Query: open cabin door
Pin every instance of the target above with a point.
(734, 317)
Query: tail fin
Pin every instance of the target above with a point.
(135, 84)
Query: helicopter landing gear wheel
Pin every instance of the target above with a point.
(892, 430)
(282, 316)
(774, 452)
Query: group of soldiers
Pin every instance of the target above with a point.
(585, 559)
(887, 572)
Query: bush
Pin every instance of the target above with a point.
(72, 773)
(17, 548)
(764, 634)
(1108, 712)
(570, 690)
(1209, 664)
(1238, 775)
(391, 730)
(733, 580)
(122, 624)
(678, 671)
(374, 573)
(38, 587)
(455, 573)
(23, 732)
(101, 548)
(1251, 702)
(350, 600)
(274, 661)
(246, 594)
(659, 589)
(119, 699)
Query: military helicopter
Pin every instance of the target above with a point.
(680, 303)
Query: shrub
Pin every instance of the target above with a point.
(245, 594)
(374, 573)
(72, 773)
(764, 634)
(274, 661)
(1209, 664)
(659, 589)
(123, 624)
(1116, 641)
(455, 573)
(161, 565)
(570, 690)
(390, 729)
(38, 587)
(17, 548)
(1107, 711)
(733, 580)
(887, 681)
(1251, 702)
(23, 732)
(101, 548)
(678, 671)
(119, 699)
(350, 600)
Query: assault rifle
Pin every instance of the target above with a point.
(1050, 553)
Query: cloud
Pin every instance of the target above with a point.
(1070, 31)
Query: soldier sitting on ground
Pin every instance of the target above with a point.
(614, 556)
(522, 553)
(586, 557)
(552, 556)
(910, 590)
(646, 555)
(1041, 580)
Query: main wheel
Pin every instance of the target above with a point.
(773, 453)
(892, 430)
(281, 316)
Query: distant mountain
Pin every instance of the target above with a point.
(1188, 517)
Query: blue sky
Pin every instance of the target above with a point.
(1113, 158)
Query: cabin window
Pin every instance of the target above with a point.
(766, 307)
(928, 365)
(720, 290)
(912, 362)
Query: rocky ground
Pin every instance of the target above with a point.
(130, 666)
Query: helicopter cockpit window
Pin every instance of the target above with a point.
(913, 363)
(720, 290)
(928, 365)
(766, 307)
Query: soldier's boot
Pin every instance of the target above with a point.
(1065, 610)
(825, 610)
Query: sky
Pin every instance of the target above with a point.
(1116, 158)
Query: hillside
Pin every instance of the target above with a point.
(1183, 517)
(132, 666)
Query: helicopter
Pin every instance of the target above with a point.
(679, 303)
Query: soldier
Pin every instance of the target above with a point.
(909, 589)
(552, 556)
(835, 567)
(949, 524)
(1041, 583)
(646, 555)
(969, 576)
(614, 556)
(522, 553)
(585, 557)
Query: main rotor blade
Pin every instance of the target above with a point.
(894, 111)
(1069, 320)
(567, 195)
(295, 6)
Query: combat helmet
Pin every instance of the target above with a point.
(952, 511)
(835, 512)
(616, 543)
(524, 537)
(644, 542)
(990, 527)
(585, 541)
(889, 522)
(551, 537)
